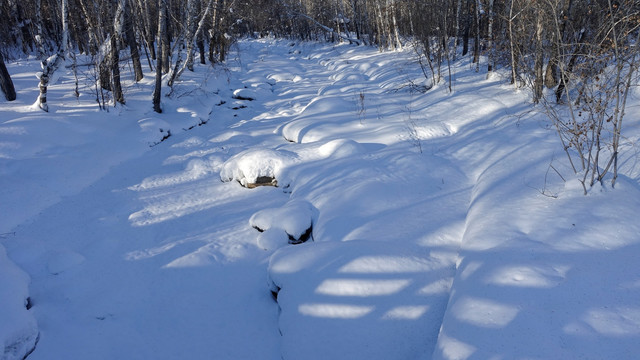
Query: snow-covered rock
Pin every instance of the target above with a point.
(244, 94)
(257, 167)
(294, 220)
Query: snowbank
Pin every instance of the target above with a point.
(18, 328)
(544, 277)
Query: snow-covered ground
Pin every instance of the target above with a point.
(429, 233)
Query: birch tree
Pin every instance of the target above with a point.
(193, 33)
(131, 41)
(114, 58)
(51, 64)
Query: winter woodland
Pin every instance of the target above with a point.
(319, 179)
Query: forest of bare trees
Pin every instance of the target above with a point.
(563, 45)
(542, 42)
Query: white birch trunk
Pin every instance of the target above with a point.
(490, 39)
(116, 35)
(49, 67)
(191, 38)
(398, 43)
(65, 28)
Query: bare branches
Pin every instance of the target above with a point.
(596, 70)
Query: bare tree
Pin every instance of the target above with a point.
(50, 65)
(131, 41)
(114, 58)
(589, 119)
(162, 30)
(539, 58)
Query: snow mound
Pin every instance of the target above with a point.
(294, 220)
(18, 328)
(358, 300)
(272, 239)
(319, 112)
(244, 94)
(283, 77)
(341, 148)
(154, 130)
(256, 166)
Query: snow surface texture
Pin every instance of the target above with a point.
(436, 232)
(359, 300)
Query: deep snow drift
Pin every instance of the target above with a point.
(430, 235)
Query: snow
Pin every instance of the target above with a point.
(249, 165)
(358, 300)
(439, 228)
(18, 328)
(244, 94)
(294, 219)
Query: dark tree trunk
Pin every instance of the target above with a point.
(105, 73)
(537, 67)
(476, 45)
(564, 78)
(467, 31)
(27, 43)
(165, 45)
(200, 43)
(131, 41)
(162, 29)
(5, 82)
(115, 70)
